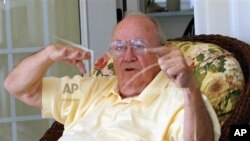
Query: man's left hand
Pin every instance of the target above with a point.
(173, 64)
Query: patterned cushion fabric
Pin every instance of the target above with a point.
(218, 72)
(103, 66)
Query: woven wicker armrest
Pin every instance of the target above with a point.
(54, 132)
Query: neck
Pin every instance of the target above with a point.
(126, 95)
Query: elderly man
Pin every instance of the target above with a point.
(152, 97)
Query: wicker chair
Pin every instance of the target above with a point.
(241, 113)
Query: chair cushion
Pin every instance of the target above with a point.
(103, 66)
(217, 71)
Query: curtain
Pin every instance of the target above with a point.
(225, 17)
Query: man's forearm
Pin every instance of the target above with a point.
(197, 122)
(25, 81)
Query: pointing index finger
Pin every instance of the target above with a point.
(159, 51)
(86, 55)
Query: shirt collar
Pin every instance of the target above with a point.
(113, 90)
(155, 87)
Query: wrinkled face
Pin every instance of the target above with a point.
(135, 71)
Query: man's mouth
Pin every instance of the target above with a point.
(129, 69)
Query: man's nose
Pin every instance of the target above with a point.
(129, 54)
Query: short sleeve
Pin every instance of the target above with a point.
(61, 97)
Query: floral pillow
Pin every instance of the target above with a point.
(103, 66)
(218, 72)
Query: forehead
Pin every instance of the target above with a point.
(135, 27)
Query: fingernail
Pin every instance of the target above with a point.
(160, 61)
(84, 70)
(87, 54)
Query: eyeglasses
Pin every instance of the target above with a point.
(118, 47)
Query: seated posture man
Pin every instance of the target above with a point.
(152, 97)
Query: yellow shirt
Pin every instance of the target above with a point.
(92, 110)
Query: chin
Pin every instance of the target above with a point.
(132, 80)
(130, 91)
(132, 84)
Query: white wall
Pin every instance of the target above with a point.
(101, 20)
(225, 17)
(1, 26)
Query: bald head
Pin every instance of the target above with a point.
(145, 23)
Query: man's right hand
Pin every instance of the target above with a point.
(25, 80)
(69, 54)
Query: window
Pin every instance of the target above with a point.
(27, 26)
